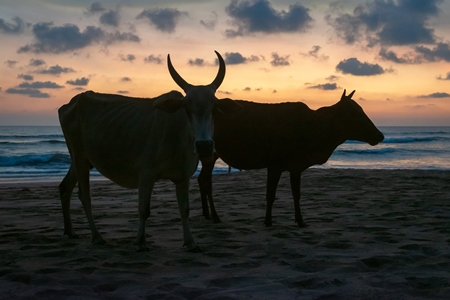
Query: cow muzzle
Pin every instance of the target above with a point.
(379, 138)
(205, 149)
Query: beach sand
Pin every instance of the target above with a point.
(372, 234)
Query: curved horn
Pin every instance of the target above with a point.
(175, 76)
(351, 94)
(221, 74)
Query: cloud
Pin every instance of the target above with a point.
(125, 79)
(436, 95)
(404, 22)
(55, 70)
(58, 39)
(11, 63)
(325, 86)
(438, 53)
(224, 92)
(247, 89)
(110, 18)
(95, 8)
(332, 78)
(40, 85)
(235, 58)
(79, 81)
(278, 61)
(210, 24)
(25, 77)
(419, 54)
(17, 27)
(128, 57)
(164, 19)
(36, 62)
(258, 16)
(153, 59)
(314, 52)
(447, 77)
(33, 93)
(122, 92)
(354, 67)
(199, 62)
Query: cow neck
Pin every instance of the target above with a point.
(333, 136)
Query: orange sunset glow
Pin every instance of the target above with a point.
(395, 54)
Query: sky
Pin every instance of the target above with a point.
(394, 53)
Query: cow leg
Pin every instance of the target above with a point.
(182, 191)
(273, 177)
(65, 193)
(146, 185)
(205, 183)
(295, 187)
(84, 194)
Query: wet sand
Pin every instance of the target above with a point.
(372, 234)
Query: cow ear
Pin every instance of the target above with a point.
(169, 104)
(228, 105)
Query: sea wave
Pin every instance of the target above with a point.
(407, 140)
(34, 160)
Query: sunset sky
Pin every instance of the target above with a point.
(394, 53)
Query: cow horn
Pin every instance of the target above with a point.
(175, 76)
(221, 74)
(351, 94)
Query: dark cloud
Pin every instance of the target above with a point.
(235, 58)
(122, 92)
(17, 27)
(447, 77)
(125, 79)
(200, 62)
(394, 57)
(153, 59)
(95, 8)
(438, 53)
(403, 22)
(325, 86)
(314, 52)
(57, 39)
(110, 18)
(40, 85)
(128, 57)
(164, 19)
(224, 92)
(354, 67)
(419, 54)
(25, 77)
(278, 61)
(258, 16)
(332, 78)
(33, 93)
(436, 95)
(55, 70)
(11, 63)
(83, 81)
(247, 89)
(36, 62)
(210, 24)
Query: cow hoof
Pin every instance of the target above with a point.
(98, 241)
(142, 249)
(302, 224)
(192, 247)
(268, 223)
(73, 236)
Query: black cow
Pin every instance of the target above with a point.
(283, 137)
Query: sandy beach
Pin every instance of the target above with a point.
(372, 234)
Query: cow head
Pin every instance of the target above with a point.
(354, 123)
(200, 104)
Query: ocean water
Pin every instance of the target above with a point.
(40, 153)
